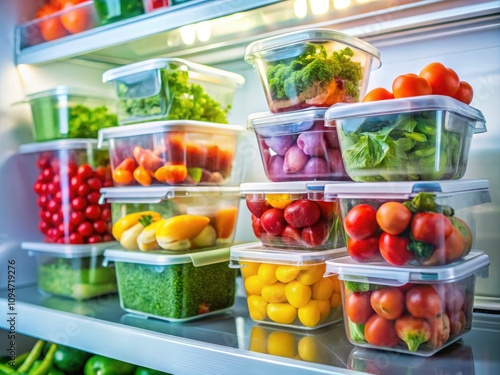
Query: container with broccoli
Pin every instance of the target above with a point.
(172, 89)
(174, 286)
(418, 138)
(312, 68)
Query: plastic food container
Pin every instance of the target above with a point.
(180, 152)
(151, 5)
(172, 89)
(418, 138)
(64, 112)
(287, 288)
(48, 27)
(180, 218)
(293, 215)
(72, 271)
(176, 287)
(426, 223)
(297, 146)
(413, 310)
(116, 10)
(312, 68)
(70, 174)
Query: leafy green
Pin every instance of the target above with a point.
(426, 202)
(84, 122)
(357, 331)
(291, 77)
(354, 286)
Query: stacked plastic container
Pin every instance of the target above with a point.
(175, 195)
(303, 73)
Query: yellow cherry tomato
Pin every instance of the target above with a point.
(253, 285)
(258, 340)
(274, 293)
(285, 274)
(322, 289)
(282, 313)
(267, 273)
(335, 300)
(311, 274)
(249, 268)
(297, 293)
(309, 315)
(279, 200)
(324, 308)
(282, 344)
(257, 307)
(336, 283)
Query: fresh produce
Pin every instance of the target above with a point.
(415, 317)
(314, 79)
(401, 232)
(179, 291)
(117, 10)
(70, 360)
(293, 221)
(100, 365)
(78, 278)
(291, 295)
(68, 197)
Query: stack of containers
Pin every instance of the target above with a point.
(303, 73)
(174, 205)
(71, 170)
(409, 221)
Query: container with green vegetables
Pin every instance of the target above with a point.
(417, 138)
(172, 285)
(172, 89)
(72, 271)
(64, 112)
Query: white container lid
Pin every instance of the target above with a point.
(255, 252)
(68, 251)
(167, 258)
(217, 76)
(60, 144)
(310, 36)
(157, 194)
(65, 90)
(291, 187)
(285, 122)
(340, 111)
(168, 126)
(475, 263)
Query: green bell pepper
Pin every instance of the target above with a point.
(70, 360)
(100, 365)
(148, 371)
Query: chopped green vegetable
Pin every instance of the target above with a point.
(84, 122)
(354, 286)
(423, 202)
(357, 331)
(177, 291)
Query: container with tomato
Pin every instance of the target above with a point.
(426, 223)
(293, 215)
(72, 271)
(173, 218)
(56, 19)
(414, 310)
(297, 146)
(71, 173)
(172, 89)
(287, 288)
(312, 68)
(416, 138)
(176, 152)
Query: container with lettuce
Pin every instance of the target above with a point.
(418, 138)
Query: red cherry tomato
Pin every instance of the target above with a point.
(393, 217)
(85, 229)
(95, 238)
(358, 307)
(360, 222)
(443, 80)
(422, 301)
(378, 93)
(93, 212)
(464, 92)
(78, 203)
(75, 238)
(394, 249)
(85, 171)
(76, 218)
(409, 85)
(100, 226)
(430, 227)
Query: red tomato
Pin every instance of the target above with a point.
(394, 249)
(380, 331)
(388, 302)
(364, 250)
(430, 227)
(360, 222)
(393, 217)
(378, 94)
(258, 231)
(413, 331)
(50, 27)
(422, 301)
(84, 171)
(408, 85)
(85, 229)
(75, 238)
(443, 80)
(464, 92)
(76, 20)
(440, 330)
(358, 307)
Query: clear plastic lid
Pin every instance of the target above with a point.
(475, 263)
(60, 144)
(157, 194)
(168, 126)
(290, 122)
(167, 258)
(317, 36)
(198, 71)
(255, 252)
(65, 90)
(66, 250)
(341, 111)
(291, 187)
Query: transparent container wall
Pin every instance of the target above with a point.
(180, 292)
(291, 296)
(62, 116)
(76, 278)
(152, 5)
(110, 11)
(420, 319)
